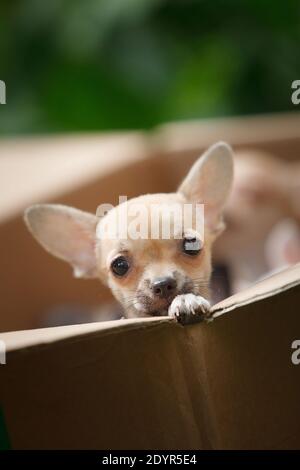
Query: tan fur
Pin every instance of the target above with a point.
(151, 258)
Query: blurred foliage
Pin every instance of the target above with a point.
(121, 64)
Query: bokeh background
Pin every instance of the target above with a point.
(123, 64)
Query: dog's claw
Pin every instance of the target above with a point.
(190, 308)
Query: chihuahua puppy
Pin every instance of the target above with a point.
(148, 276)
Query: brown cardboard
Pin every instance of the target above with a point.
(154, 384)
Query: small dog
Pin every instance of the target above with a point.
(148, 276)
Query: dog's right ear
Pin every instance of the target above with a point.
(209, 182)
(67, 233)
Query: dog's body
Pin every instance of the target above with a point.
(262, 218)
(148, 276)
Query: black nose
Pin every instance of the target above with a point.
(164, 286)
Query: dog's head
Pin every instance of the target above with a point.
(148, 249)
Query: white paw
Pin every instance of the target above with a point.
(189, 307)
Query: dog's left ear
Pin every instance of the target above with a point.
(209, 182)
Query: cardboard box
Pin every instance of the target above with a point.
(86, 170)
(154, 384)
(147, 383)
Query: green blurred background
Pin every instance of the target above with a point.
(121, 64)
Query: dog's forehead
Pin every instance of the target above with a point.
(144, 208)
(149, 201)
(119, 235)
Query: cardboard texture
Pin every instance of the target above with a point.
(154, 384)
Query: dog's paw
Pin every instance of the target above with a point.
(190, 308)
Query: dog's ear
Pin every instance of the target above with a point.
(209, 182)
(67, 233)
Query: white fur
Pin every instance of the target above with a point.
(189, 304)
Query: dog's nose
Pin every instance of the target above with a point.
(164, 286)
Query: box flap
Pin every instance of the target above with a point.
(154, 384)
(270, 286)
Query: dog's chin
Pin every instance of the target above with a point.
(158, 313)
(157, 308)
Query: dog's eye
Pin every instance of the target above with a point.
(191, 246)
(120, 266)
